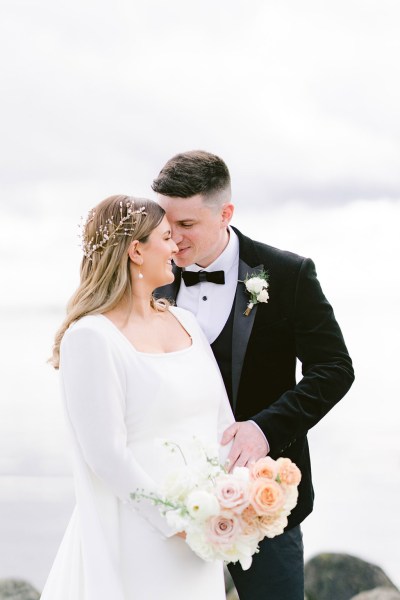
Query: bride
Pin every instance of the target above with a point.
(134, 371)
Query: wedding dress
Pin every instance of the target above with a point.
(120, 404)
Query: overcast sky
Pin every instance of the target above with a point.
(300, 98)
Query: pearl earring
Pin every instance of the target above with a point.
(140, 276)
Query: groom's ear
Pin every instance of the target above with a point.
(227, 213)
(134, 252)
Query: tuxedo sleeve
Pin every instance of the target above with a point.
(326, 366)
(94, 394)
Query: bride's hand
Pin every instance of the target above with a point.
(181, 534)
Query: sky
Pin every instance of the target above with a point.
(299, 98)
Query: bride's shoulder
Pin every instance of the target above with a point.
(184, 316)
(181, 313)
(90, 326)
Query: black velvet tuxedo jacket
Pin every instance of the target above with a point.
(297, 322)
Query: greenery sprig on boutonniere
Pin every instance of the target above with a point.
(257, 286)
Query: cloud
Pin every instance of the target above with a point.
(300, 99)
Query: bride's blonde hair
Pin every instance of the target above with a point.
(105, 275)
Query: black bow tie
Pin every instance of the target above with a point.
(193, 277)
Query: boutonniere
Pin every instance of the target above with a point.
(257, 286)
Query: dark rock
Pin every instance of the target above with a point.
(17, 589)
(379, 593)
(341, 576)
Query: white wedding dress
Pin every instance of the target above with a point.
(120, 404)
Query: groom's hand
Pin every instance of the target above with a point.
(249, 444)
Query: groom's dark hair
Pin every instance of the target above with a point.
(191, 173)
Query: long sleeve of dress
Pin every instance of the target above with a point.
(94, 391)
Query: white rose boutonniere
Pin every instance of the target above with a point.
(257, 287)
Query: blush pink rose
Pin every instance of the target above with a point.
(264, 467)
(288, 472)
(223, 529)
(266, 496)
(232, 492)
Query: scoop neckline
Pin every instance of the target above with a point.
(136, 351)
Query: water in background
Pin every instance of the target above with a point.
(355, 449)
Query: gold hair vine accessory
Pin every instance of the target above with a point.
(106, 235)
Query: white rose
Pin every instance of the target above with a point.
(202, 505)
(252, 537)
(255, 285)
(198, 542)
(291, 495)
(245, 562)
(240, 551)
(263, 296)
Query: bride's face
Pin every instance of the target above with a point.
(157, 255)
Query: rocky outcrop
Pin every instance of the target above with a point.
(17, 589)
(379, 593)
(341, 577)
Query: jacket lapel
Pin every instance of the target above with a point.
(242, 327)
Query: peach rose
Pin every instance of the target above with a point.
(249, 514)
(266, 496)
(288, 472)
(271, 526)
(223, 529)
(264, 467)
(249, 522)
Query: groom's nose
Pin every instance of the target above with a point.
(176, 236)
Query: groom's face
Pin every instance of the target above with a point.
(198, 229)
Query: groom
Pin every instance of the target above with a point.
(256, 353)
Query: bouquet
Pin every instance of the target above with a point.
(226, 515)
